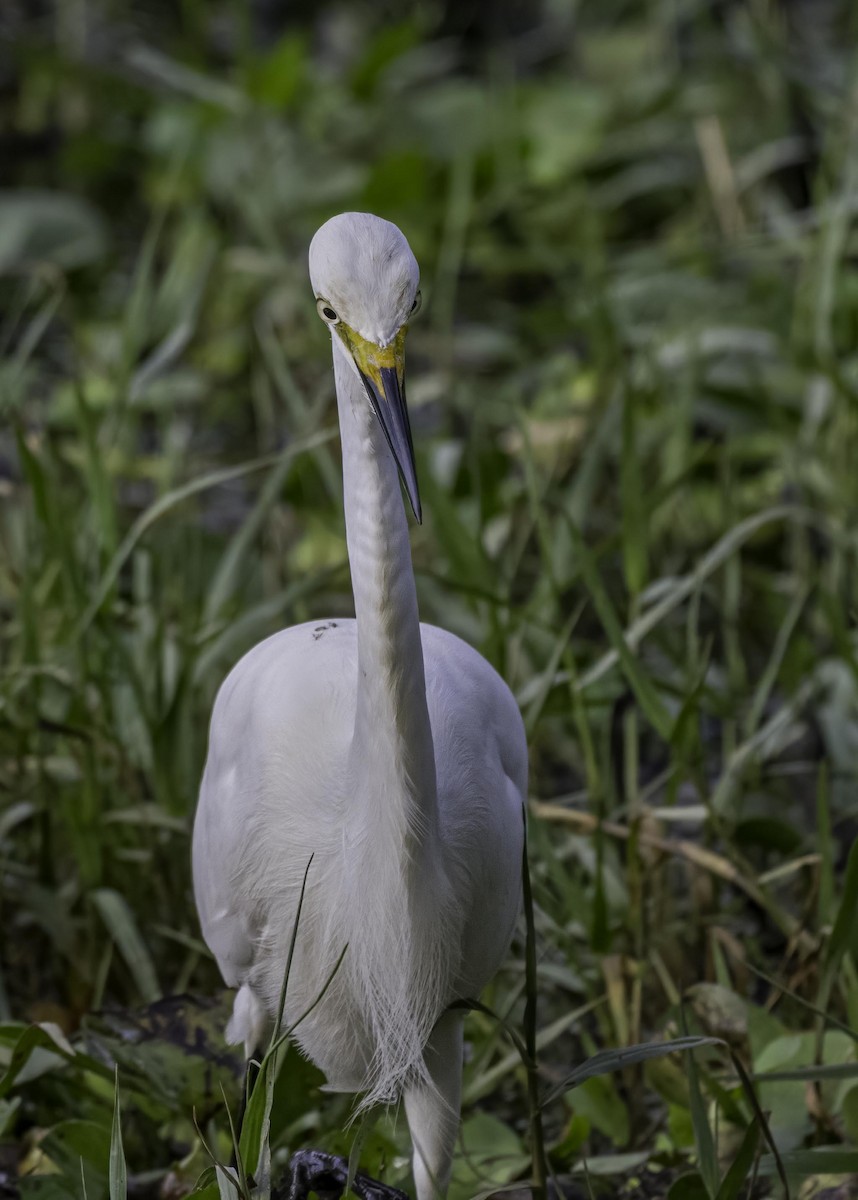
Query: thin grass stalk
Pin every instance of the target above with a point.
(537, 1137)
(117, 1172)
(281, 1003)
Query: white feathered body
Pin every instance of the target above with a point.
(423, 927)
(387, 750)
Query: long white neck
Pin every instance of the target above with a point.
(392, 760)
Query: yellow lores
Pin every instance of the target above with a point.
(419, 872)
(382, 369)
(371, 359)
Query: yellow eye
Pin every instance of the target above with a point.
(327, 313)
(415, 307)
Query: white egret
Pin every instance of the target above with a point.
(389, 750)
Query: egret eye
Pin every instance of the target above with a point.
(326, 312)
(415, 307)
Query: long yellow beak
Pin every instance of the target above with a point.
(382, 369)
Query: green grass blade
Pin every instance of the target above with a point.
(634, 513)
(732, 1182)
(607, 1061)
(821, 1160)
(117, 1172)
(486, 1081)
(117, 916)
(177, 496)
(685, 587)
(751, 1096)
(827, 1017)
(846, 1070)
(537, 703)
(825, 842)
(257, 1114)
(537, 1136)
(639, 681)
(704, 1141)
(782, 642)
(236, 1147)
(844, 937)
(229, 575)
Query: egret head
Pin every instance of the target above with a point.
(366, 283)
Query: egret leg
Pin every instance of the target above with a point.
(433, 1108)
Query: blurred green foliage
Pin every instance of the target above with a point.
(634, 391)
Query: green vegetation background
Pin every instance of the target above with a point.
(634, 391)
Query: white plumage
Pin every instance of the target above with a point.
(390, 751)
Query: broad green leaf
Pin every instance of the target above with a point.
(488, 1152)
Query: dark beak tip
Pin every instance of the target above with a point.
(388, 403)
